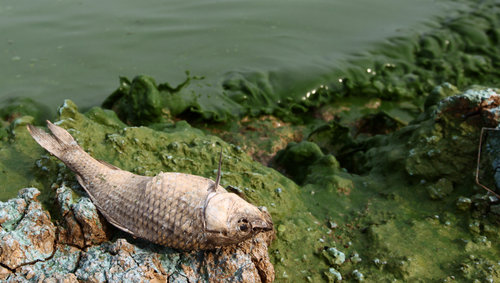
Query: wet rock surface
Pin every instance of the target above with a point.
(83, 251)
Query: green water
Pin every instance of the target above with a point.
(53, 49)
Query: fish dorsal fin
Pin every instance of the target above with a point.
(217, 180)
(111, 166)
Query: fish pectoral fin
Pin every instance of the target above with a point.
(80, 181)
(111, 166)
(116, 224)
(102, 211)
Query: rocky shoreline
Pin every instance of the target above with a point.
(342, 223)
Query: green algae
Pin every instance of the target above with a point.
(13, 108)
(461, 50)
(17, 154)
(260, 46)
(180, 148)
(404, 208)
(400, 232)
(405, 215)
(384, 220)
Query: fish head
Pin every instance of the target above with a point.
(231, 219)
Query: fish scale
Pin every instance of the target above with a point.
(175, 209)
(144, 204)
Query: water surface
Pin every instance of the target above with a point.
(54, 49)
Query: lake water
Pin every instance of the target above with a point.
(56, 49)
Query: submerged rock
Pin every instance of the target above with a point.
(13, 108)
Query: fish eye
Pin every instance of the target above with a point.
(243, 222)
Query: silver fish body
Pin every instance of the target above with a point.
(178, 210)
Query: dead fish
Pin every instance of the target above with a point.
(178, 210)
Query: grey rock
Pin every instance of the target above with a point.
(85, 252)
(27, 235)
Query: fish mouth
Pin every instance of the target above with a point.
(260, 225)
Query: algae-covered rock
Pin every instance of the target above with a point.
(440, 189)
(377, 124)
(17, 156)
(454, 127)
(331, 137)
(463, 203)
(442, 143)
(178, 148)
(306, 164)
(296, 158)
(142, 101)
(358, 276)
(439, 152)
(333, 275)
(334, 256)
(13, 108)
(139, 100)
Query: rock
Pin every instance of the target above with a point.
(452, 126)
(59, 268)
(334, 256)
(246, 262)
(83, 252)
(295, 159)
(27, 235)
(119, 261)
(16, 107)
(464, 203)
(440, 189)
(333, 275)
(4, 273)
(358, 276)
(122, 261)
(82, 224)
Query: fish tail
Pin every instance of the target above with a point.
(57, 143)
